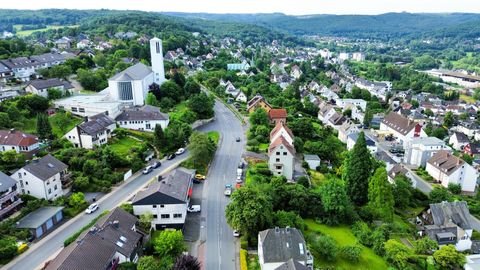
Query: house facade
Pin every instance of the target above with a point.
(95, 131)
(419, 150)
(167, 200)
(40, 87)
(143, 118)
(258, 102)
(447, 169)
(277, 115)
(458, 141)
(9, 196)
(401, 127)
(20, 142)
(281, 157)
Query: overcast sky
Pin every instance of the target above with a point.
(293, 7)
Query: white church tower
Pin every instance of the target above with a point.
(156, 53)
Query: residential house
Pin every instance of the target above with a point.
(63, 43)
(401, 127)
(281, 154)
(472, 149)
(170, 56)
(281, 130)
(448, 223)
(238, 66)
(313, 161)
(20, 142)
(167, 199)
(24, 67)
(95, 131)
(241, 97)
(43, 178)
(84, 43)
(296, 72)
(347, 128)
(9, 197)
(42, 220)
(346, 102)
(258, 102)
(336, 120)
(458, 141)
(114, 239)
(447, 169)
(394, 170)
(467, 128)
(40, 87)
(143, 118)
(352, 140)
(358, 56)
(5, 73)
(277, 115)
(276, 247)
(325, 112)
(419, 150)
(378, 89)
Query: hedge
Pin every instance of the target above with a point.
(243, 259)
(74, 236)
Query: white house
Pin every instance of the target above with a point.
(358, 56)
(449, 169)
(167, 199)
(281, 130)
(313, 161)
(458, 141)
(241, 97)
(346, 102)
(347, 128)
(394, 170)
(43, 178)
(352, 139)
(95, 131)
(20, 142)
(90, 105)
(296, 72)
(419, 150)
(280, 247)
(40, 87)
(281, 156)
(143, 118)
(401, 127)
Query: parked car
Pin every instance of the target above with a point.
(199, 176)
(171, 156)
(236, 233)
(237, 139)
(241, 165)
(180, 151)
(194, 208)
(92, 208)
(156, 164)
(239, 179)
(147, 170)
(228, 190)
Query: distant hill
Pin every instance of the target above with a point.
(389, 24)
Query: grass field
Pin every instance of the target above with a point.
(60, 127)
(123, 146)
(468, 99)
(344, 237)
(25, 33)
(317, 178)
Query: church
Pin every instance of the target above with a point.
(125, 89)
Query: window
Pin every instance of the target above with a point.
(162, 206)
(81, 110)
(19, 175)
(24, 173)
(74, 109)
(55, 187)
(154, 206)
(278, 153)
(278, 167)
(48, 183)
(26, 183)
(165, 215)
(178, 215)
(155, 216)
(49, 191)
(277, 160)
(284, 153)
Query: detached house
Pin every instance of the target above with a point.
(401, 127)
(43, 178)
(449, 169)
(347, 128)
(167, 199)
(281, 153)
(113, 240)
(448, 223)
(9, 197)
(419, 150)
(258, 102)
(283, 248)
(458, 141)
(18, 141)
(95, 131)
(40, 87)
(143, 118)
(277, 115)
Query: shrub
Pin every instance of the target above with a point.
(455, 188)
(243, 259)
(325, 247)
(351, 253)
(363, 233)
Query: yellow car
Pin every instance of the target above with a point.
(199, 176)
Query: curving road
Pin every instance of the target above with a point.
(219, 244)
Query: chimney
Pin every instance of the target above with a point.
(12, 130)
(277, 230)
(116, 224)
(287, 229)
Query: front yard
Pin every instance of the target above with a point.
(123, 147)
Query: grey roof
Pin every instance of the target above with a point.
(136, 72)
(96, 124)
(461, 138)
(446, 162)
(292, 265)
(6, 182)
(354, 137)
(456, 212)
(35, 60)
(96, 248)
(173, 189)
(36, 218)
(4, 68)
(146, 112)
(311, 157)
(45, 167)
(282, 244)
(48, 83)
(427, 141)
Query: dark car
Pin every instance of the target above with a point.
(171, 156)
(156, 164)
(237, 139)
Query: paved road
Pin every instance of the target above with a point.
(52, 243)
(220, 246)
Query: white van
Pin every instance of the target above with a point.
(194, 208)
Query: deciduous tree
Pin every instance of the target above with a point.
(447, 257)
(336, 204)
(380, 197)
(397, 253)
(169, 244)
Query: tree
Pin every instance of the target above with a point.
(146, 220)
(325, 247)
(397, 253)
(439, 194)
(403, 191)
(249, 211)
(202, 105)
(158, 137)
(351, 253)
(77, 200)
(201, 148)
(179, 79)
(8, 247)
(425, 246)
(44, 129)
(169, 244)
(150, 263)
(448, 120)
(357, 170)
(172, 90)
(447, 257)
(259, 117)
(336, 204)
(455, 188)
(282, 219)
(54, 93)
(150, 99)
(186, 262)
(380, 197)
(191, 87)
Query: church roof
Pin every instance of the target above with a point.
(136, 72)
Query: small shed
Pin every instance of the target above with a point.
(313, 161)
(41, 220)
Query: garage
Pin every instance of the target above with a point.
(41, 221)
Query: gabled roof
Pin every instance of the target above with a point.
(136, 72)
(399, 123)
(251, 103)
(96, 124)
(146, 112)
(278, 128)
(291, 265)
(277, 113)
(446, 212)
(397, 170)
(48, 83)
(173, 190)
(278, 142)
(45, 167)
(445, 162)
(283, 244)
(96, 248)
(17, 138)
(6, 182)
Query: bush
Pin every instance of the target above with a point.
(351, 253)
(243, 259)
(325, 247)
(455, 188)
(363, 233)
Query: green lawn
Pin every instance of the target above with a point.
(468, 99)
(214, 136)
(62, 123)
(344, 237)
(317, 178)
(252, 261)
(123, 146)
(25, 33)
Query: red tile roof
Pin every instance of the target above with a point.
(281, 141)
(17, 138)
(277, 113)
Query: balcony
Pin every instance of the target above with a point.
(8, 196)
(66, 180)
(10, 207)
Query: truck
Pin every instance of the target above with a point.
(228, 190)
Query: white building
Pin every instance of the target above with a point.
(358, 56)
(283, 248)
(40, 87)
(346, 129)
(352, 139)
(313, 161)
(401, 127)
(95, 131)
(156, 54)
(90, 105)
(343, 56)
(43, 178)
(419, 150)
(281, 152)
(458, 141)
(131, 85)
(449, 169)
(20, 142)
(143, 118)
(167, 199)
(347, 102)
(281, 130)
